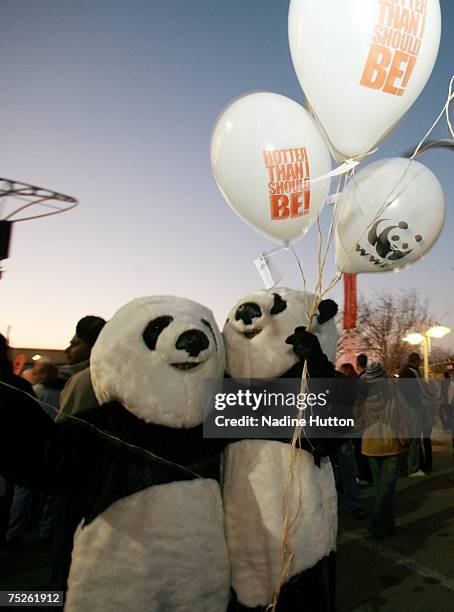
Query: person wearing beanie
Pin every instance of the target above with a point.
(78, 392)
(376, 411)
(361, 364)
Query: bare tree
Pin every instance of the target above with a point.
(384, 319)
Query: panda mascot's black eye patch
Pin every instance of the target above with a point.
(153, 329)
(279, 304)
(248, 311)
(207, 323)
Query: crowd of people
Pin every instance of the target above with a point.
(396, 424)
(386, 449)
(61, 395)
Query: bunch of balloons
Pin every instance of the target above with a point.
(361, 64)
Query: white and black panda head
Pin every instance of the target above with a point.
(393, 241)
(258, 325)
(160, 357)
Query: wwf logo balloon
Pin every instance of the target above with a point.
(391, 213)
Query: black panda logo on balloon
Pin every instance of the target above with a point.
(392, 242)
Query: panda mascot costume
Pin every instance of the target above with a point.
(265, 338)
(152, 538)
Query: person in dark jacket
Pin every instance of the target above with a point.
(8, 380)
(345, 461)
(418, 464)
(47, 386)
(364, 473)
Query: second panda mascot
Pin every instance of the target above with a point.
(152, 538)
(261, 343)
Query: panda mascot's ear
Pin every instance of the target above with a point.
(327, 310)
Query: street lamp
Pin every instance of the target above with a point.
(436, 331)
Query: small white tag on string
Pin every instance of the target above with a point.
(263, 268)
(265, 273)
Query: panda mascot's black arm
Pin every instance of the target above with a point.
(306, 347)
(39, 453)
(104, 443)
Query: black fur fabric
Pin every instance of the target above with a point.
(102, 456)
(310, 591)
(327, 310)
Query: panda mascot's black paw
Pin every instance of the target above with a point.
(306, 347)
(304, 343)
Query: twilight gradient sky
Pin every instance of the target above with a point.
(113, 102)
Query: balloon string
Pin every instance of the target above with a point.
(444, 111)
(334, 220)
(286, 552)
(298, 263)
(450, 99)
(287, 555)
(386, 202)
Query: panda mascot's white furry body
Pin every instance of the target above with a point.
(152, 538)
(255, 471)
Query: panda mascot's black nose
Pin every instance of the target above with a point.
(247, 312)
(193, 342)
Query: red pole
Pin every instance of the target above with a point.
(350, 303)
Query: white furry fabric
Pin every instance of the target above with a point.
(254, 481)
(160, 550)
(266, 355)
(123, 368)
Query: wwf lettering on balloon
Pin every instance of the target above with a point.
(396, 44)
(288, 182)
(390, 242)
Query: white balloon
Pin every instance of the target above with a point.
(362, 63)
(391, 213)
(264, 149)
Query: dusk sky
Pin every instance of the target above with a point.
(114, 102)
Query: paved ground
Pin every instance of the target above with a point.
(411, 571)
